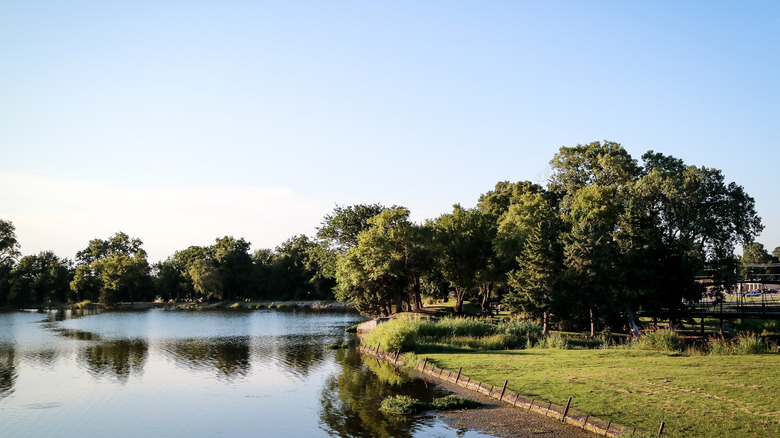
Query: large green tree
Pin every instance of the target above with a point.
(535, 278)
(463, 244)
(381, 273)
(115, 269)
(40, 279)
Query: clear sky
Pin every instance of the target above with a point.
(178, 122)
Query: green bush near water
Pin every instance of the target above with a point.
(403, 404)
(406, 405)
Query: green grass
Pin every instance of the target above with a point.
(696, 395)
(465, 333)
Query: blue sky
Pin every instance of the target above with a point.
(178, 122)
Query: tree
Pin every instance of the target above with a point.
(295, 272)
(536, 277)
(235, 265)
(41, 278)
(206, 278)
(381, 273)
(9, 246)
(342, 227)
(754, 253)
(463, 245)
(116, 267)
(9, 253)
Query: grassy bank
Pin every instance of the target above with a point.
(696, 396)
(725, 388)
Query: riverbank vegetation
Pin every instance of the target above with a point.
(607, 237)
(721, 388)
(406, 405)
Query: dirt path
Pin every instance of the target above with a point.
(502, 420)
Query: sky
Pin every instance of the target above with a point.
(179, 122)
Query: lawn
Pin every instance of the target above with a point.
(696, 396)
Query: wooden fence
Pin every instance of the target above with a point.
(561, 413)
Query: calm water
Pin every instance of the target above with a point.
(197, 374)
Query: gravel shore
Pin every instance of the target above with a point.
(501, 420)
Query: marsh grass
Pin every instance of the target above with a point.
(460, 333)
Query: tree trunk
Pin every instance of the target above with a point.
(592, 324)
(459, 295)
(484, 290)
(635, 333)
(545, 314)
(418, 305)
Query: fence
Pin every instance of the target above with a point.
(502, 394)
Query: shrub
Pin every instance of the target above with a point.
(746, 343)
(395, 334)
(452, 402)
(554, 341)
(750, 344)
(662, 340)
(403, 404)
(467, 327)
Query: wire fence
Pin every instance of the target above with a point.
(502, 394)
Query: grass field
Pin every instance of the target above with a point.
(696, 396)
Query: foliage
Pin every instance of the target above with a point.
(743, 344)
(452, 402)
(412, 334)
(463, 247)
(554, 341)
(114, 269)
(406, 405)
(395, 334)
(403, 404)
(661, 340)
(381, 273)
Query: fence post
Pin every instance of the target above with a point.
(491, 390)
(566, 410)
(458, 378)
(377, 347)
(606, 431)
(661, 429)
(501, 398)
(425, 363)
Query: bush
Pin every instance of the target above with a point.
(554, 341)
(746, 343)
(662, 340)
(395, 334)
(403, 404)
(467, 327)
(452, 402)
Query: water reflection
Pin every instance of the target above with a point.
(228, 356)
(351, 399)
(118, 359)
(7, 370)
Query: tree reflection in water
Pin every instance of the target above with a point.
(118, 359)
(351, 399)
(228, 356)
(7, 370)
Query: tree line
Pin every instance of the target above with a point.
(605, 237)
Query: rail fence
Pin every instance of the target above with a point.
(561, 413)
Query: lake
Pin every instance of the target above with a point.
(160, 373)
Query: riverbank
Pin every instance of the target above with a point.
(502, 420)
(695, 396)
